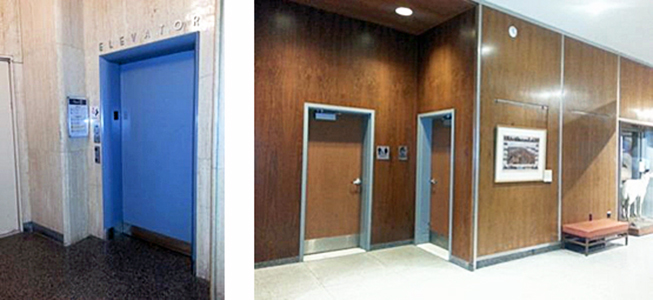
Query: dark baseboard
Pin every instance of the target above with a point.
(157, 239)
(486, 262)
(439, 240)
(391, 245)
(110, 233)
(276, 262)
(290, 260)
(461, 263)
(44, 231)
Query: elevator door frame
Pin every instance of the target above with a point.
(12, 102)
(423, 186)
(367, 177)
(168, 46)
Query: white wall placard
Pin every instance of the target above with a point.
(548, 176)
(77, 117)
(403, 152)
(383, 152)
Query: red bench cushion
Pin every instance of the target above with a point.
(595, 229)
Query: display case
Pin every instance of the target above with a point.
(635, 188)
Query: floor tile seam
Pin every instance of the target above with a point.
(314, 275)
(378, 260)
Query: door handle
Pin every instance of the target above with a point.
(433, 181)
(357, 181)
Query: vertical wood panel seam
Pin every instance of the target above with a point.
(560, 134)
(618, 138)
(476, 140)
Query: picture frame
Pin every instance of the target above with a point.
(520, 154)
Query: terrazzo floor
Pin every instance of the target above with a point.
(409, 272)
(34, 267)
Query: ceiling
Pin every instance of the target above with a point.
(625, 26)
(427, 13)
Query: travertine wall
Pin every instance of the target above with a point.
(43, 111)
(11, 46)
(10, 29)
(56, 46)
(120, 24)
(53, 69)
(69, 43)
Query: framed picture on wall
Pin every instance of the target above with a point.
(520, 154)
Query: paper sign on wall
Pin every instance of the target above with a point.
(77, 117)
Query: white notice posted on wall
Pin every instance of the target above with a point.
(77, 117)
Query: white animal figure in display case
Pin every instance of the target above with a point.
(634, 192)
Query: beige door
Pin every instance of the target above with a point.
(333, 201)
(8, 188)
(440, 174)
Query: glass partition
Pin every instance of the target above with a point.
(636, 195)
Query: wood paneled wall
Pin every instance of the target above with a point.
(589, 156)
(308, 55)
(447, 79)
(636, 91)
(526, 69)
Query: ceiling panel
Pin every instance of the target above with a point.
(427, 13)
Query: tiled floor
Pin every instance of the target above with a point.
(409, 272)
(34, 267)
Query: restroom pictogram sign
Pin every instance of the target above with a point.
(383, 152)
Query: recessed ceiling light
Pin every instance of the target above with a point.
(404, 11)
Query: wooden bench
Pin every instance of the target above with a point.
(591, 233)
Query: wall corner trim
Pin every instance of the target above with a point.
(461, 263)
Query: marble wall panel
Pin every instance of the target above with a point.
(57, 44)
(10, 44)
(111, 26)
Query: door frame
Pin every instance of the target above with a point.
(14, 125)
(367, 177)
(422, 194)
(167, 46)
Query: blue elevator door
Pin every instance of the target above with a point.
(158, 119)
